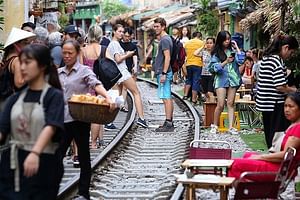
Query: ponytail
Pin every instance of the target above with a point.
(275, 47)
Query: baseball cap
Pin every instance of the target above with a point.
(72, 29)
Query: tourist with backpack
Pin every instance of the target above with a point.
(177, 55)
(164, 74)
(11, 79)
(116, 53)
(194, 66)
(90, 53)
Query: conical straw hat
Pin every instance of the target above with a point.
(16, 35)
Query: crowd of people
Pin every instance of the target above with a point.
(43, 68)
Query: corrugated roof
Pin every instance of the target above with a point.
(171, 17)
(223, 4)
(147, 14)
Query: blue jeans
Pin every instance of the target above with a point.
(193, 77)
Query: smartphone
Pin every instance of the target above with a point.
(232, 54)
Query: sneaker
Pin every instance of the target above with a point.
(123, 109)
(142, 122)
(233, 131)
(213, 129)
(185, 97)
(101, 143)
(110, 127)
(167, 127)
(75, 161)
(79, 198)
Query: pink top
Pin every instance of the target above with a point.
(294, 130)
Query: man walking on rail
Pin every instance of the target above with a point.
(164, 73)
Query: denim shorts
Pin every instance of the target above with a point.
(193, 77)
(164, 89)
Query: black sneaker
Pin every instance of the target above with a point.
(142, 122)
(167, 127)
(110, 127)
(101, 143)
(185, 97)
(75, 161)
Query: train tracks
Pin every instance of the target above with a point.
(139, 163)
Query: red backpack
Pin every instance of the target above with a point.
(178, 55)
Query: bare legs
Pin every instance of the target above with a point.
(230, 105)
(96, 132)
(221, 95)
(130, 84)
(169, 108)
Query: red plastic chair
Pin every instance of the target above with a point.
(197, 151)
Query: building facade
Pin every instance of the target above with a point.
(15, 12)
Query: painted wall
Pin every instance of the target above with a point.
(13, 16)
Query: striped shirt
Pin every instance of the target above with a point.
(272, 73)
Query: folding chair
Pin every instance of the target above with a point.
(288, 169)
(259, 189)
(250, 180)
(200, 152)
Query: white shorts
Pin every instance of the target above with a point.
(125, 75)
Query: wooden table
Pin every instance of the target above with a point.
(207, 163)
(206, 182)
(249, 113)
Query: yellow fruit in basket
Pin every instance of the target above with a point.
(75, 98)
(88, 99)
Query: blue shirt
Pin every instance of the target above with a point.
(229, 75)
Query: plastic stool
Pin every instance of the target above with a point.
(236, 122)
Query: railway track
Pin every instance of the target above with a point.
(139, 163)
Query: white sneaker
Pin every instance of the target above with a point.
(213, 129)
(233, 131)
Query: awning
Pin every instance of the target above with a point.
(171, 17)
(154, 12)
(123, 17)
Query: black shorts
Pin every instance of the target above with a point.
(207, 83)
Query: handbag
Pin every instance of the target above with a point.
(276, 142)
(106, 71)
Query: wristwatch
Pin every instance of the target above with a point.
(164, 73)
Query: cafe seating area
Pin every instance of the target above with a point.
(203, 156)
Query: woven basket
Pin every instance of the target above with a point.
(92, 113)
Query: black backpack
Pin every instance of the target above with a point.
(106, 70)
(6, 79)
(178, 55)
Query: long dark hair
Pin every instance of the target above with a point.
(219, 49)
(275, 47)
(42, 55)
